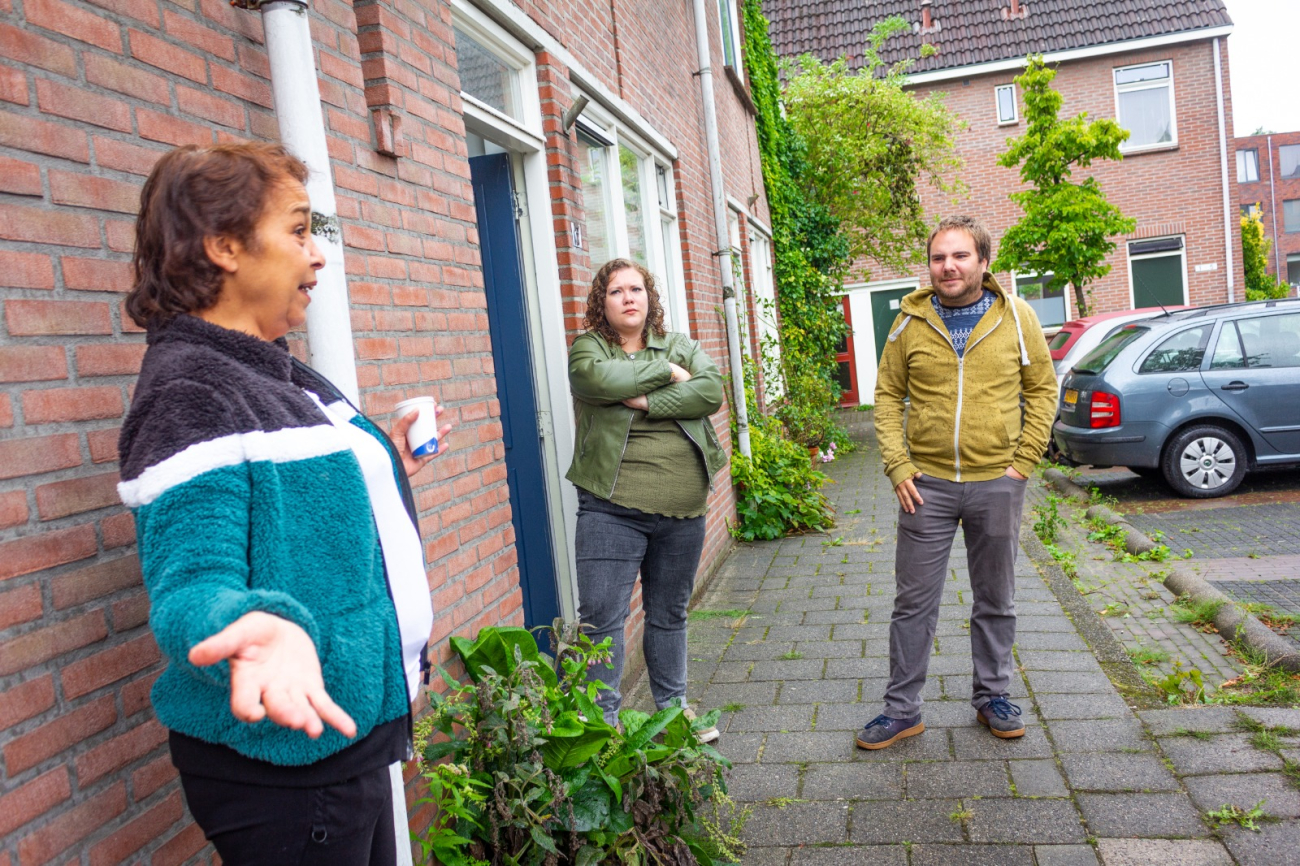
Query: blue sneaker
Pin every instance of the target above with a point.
(1002, 718)
(883, 731)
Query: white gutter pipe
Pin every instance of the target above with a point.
(1228, 208)
(329, 324)
(724, 253)
(1272, 207)
(302, 131)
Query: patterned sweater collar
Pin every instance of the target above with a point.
(269, 358)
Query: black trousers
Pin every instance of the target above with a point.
(346, 824)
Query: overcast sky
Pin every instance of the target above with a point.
(1265, 65)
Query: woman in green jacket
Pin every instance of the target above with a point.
(643, 462)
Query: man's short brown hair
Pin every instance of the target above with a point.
(973, 227)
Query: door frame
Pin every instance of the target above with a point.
(1181, 253)
(544, 307)
(859, 295)
(851, 397)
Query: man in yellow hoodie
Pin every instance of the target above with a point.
(973, 362)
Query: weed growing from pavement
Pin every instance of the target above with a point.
(700, 615)
(781, 802)
(732, 708)
(1148, 655)
(960, 815)
(1115, 608)
(792, 655)
(1049, 524)
(1271, 616)
(1195, 735)
(1198, 613)
(1262, 684)
(1180, 686)
(1232, 814)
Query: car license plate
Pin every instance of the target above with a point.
(1071, 397)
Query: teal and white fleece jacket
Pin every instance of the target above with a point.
(241, 466)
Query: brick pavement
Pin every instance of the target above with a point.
(1235, 531)
(799, 663)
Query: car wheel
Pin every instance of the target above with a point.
(1204, 462)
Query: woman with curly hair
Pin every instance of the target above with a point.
(643, 462)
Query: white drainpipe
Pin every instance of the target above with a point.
(724, 253)
(1228, 207)
(329, 323)
(302, 131)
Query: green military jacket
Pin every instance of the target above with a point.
(601, 377)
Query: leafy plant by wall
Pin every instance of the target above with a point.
(1260, 285)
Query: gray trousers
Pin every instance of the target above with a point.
(989, 513)
(613, 543)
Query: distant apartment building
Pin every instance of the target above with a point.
(1268, 180)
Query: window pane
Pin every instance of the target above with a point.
(595, 200)
(1291, 215)
(1293, 270)
(661, 179)
(1099, 358)
(1249, 209)
(485, 77)
(1145, 114)
(630, 168)
(1048, 304)
(724, 16)
(1157, 281)
(1006, 104)
(1227, 354)
(1247, 166)
(1180, 353)
(1272, 341)
(1147, 72)
(1289, 154)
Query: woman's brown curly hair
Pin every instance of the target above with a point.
(595, 319)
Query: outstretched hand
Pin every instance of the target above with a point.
(410, 463)
(274, 673)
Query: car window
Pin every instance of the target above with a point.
(1061, 338)
(1271, 341)
(1099, 358)
(1179, 353)
(1227, 352)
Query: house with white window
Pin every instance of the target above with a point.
(1158, 67)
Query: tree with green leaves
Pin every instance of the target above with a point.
(869, 145)
(1067, 227)
(1260, 285)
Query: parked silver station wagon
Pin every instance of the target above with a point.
(1200, 397)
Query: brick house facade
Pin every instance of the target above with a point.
(94, 91)
(1268, 177)
(1186, 248)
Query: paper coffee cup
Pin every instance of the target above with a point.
(423, 434)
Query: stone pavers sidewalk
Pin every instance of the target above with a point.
(791, 639)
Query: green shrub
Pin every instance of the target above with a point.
(533, 776)
(779, 491)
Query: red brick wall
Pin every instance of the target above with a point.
(1269, 192)
(1174, 191)
(91, 94)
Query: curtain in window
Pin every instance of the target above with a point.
(1145, 114)
(595, 198)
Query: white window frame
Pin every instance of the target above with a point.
(1254, 158)
(763, 279)
(524, 131)
(1181, 252)
(1016, 277)
(731, 36)
(664, 261)
(997, 105)
(1147, 85)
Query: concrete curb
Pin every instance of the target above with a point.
(1231, 620)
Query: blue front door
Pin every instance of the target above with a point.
(503, 277)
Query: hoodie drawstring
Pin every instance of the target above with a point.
(899, 329)
(1020, 334)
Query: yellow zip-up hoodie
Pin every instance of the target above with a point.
(965, 422)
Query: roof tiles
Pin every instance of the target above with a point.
(979, 31)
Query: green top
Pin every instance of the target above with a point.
(662, 471)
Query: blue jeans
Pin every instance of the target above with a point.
(614, 543)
